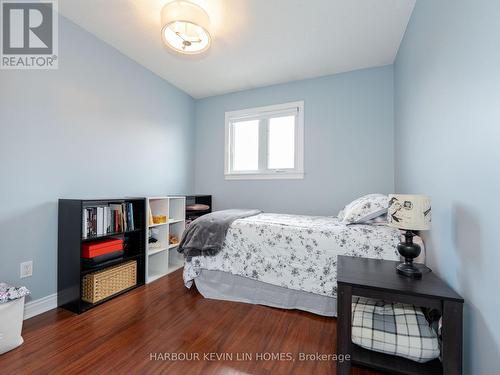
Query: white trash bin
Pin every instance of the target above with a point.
(11, 317)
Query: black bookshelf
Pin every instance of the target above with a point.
(71, 270)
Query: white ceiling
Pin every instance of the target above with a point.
(255, 42)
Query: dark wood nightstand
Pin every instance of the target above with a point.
(373, 278)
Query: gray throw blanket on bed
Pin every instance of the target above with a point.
(206, 235)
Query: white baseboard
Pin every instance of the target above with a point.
(40, 306)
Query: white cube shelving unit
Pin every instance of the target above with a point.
(164, 258)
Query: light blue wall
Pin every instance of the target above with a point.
(447, 105)
(100, 126)
(348, 144)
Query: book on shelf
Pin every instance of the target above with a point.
(103, 219)
(100, 221)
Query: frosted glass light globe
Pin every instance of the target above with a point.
(185, 27)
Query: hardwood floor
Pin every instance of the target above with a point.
(135, 333)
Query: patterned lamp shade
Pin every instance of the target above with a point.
(410, 212)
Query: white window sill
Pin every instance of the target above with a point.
(264, 176)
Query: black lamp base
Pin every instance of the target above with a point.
(409, 270)
(409, 251)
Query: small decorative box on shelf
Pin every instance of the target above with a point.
(94, 236)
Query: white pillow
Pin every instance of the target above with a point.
(340, 215)
(379, 220)
(365, 208)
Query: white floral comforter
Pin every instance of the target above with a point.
(296, 252)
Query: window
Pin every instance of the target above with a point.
(265, 142)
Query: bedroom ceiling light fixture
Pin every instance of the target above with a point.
(185, 27)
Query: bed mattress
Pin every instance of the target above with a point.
(294, 251)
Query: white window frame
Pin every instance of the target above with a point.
(263, 114)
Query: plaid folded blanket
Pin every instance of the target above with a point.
(393, 328)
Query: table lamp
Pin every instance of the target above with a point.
(410, 213)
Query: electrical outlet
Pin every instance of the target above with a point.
(26, 269)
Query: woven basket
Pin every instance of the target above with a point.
(102, 284)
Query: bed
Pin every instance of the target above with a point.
(286, 261)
